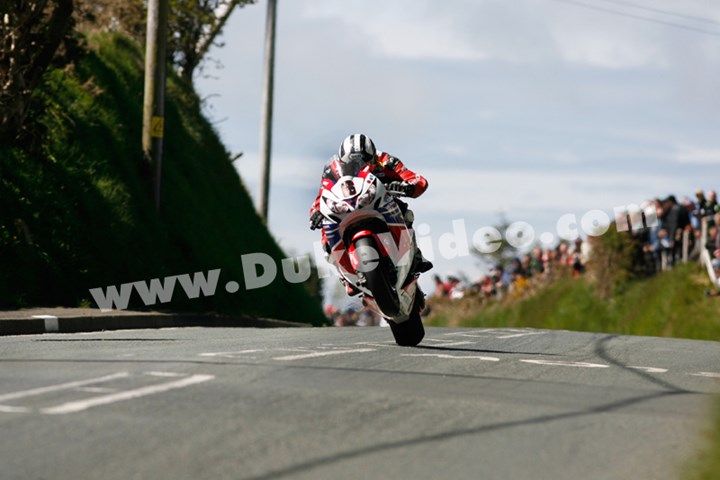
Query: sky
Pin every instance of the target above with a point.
(531, 109)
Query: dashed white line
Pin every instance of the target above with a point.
(96, 389)
(322, 354)
(561, 363)
(228, 354)
(454, 357)
(78, 406)
(9, 409)
(450, 343)
(651, 369)
(706, 374)
(515, 335)
(62, 386)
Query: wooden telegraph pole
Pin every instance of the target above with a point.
(267, 107)
(154, 99)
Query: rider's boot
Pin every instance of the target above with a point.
(420, 263)
(351, 290)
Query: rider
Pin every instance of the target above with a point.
(358, 151)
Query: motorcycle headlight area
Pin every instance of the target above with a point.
(337, 207)
(367, 197)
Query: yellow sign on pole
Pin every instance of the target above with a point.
(157, 125)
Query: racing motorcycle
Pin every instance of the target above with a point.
(373, 250)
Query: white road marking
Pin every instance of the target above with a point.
(450, 343)
(228, 354)
(514, 335)
(78, 406)
(323, 354)
(560, 363)
(164, 374)
(499, 333)
(370, 344)
(62, 386)
(96, 389)
(454, 357)
(651, 369)
(706, 374)
(9, 409)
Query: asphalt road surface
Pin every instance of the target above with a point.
(333, 403)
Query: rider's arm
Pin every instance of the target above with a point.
(326, 184)
(396, 171)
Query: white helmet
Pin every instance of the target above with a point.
(355, 152)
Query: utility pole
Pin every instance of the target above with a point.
(154, 100)
(267, 107)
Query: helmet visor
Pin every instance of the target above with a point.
(353, 163)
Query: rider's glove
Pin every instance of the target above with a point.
(401, 187)
(316, 220)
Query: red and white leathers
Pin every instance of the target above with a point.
(387, 168)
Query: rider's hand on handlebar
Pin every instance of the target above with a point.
(316, 220)
(402, 188)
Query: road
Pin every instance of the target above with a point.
(346, 403)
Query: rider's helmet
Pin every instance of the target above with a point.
(355, 152)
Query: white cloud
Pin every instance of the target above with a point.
(472, 191)
(698, 156)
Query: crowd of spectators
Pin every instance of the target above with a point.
(567, 258)
(353, 316)
(677, 235)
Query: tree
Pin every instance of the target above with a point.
(502, 252)
(31, 33)
(193, 25)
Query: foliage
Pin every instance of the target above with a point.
(498, 251)
(671, 304)
(193, 25)
(31, 32)
(707, 464)
(75, 213)
(610, 265)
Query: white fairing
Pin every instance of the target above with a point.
(352, 201)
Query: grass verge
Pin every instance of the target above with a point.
(671, 304)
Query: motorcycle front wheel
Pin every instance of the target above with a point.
(377, 277)
(410, 332)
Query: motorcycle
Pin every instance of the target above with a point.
(373, 250)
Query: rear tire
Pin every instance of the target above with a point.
(378, 278)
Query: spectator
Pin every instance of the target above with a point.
(562, 257)
(712, 205)
(501, 279)
(537, 266)
(701, 206)
(442, 289)
(456, 289)
(486, 286)
(579, 257)
(675, 218)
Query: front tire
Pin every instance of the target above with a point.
(377, 278)
(410, 332)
